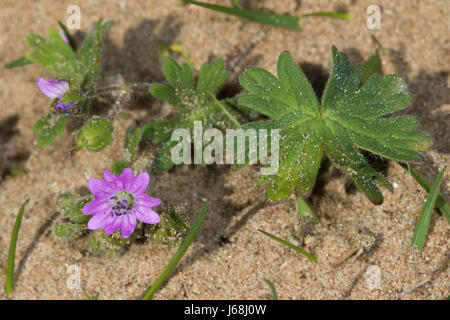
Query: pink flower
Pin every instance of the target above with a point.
(119, 202)
(56, 89)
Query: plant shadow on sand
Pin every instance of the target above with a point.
(12, 152)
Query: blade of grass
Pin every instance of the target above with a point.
(442, 205)
(69, 37)
(334, 15)
(272, 289)
(290, 245)
(22, 61)
(12, 250)
(420, 233)
(271, 19)
(305, 211)
(179, 254)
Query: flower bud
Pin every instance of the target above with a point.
(95, 135)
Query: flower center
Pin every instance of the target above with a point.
(122, 203)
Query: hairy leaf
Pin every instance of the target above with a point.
(348, 118)
(48, 128)
(194, 101)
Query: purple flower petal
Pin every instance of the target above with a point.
(128, 225)
(100, 220)
(101, 189)
(53, 88)
(127, 179)
(109, 176)
(96, 206)
(147, 215)
(140, 183)
(64, 106)
(147, 201)
(113, 225)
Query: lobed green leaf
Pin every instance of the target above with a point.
(348, 119)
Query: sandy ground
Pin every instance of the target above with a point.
(229, 258)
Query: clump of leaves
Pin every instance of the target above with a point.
(349, 117)
(171, 229)
(72, 223)
(78, 66)
(194, 101)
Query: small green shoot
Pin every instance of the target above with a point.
(88, 297)
(270, 19)
(442, 205)
(179, 254)
(273, 291)
(420, 233)
(16, 171)
(290, 245)
(12, 250)
(305, 211)
(349, 117)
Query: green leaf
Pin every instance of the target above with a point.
(420, 233)
(194, 101)
(54, 54)
(348, 119)
(442, 205)
(22, 61)
(179, 254)
(88, 61)
(120, 165)
(291, 246)
(132, 142)
(12, 250)
(48, 128)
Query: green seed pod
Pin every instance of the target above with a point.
(170, 230)
(73, 222)
(74, 212)
(95, 135)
